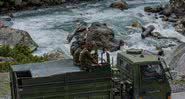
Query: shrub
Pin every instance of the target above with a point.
(22, 55)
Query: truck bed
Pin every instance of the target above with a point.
(49, 68)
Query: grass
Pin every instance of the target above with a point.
(178, 82)
(22, 55)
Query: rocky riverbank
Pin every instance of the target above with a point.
(172, 12)
(8, 7)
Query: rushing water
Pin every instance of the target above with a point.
(50, 26)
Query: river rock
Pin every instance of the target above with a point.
(167, 11)
(156, 34)
(180, 26)
(147, 32)
(119, 4)
(55, 55)
(136, 24)
(153, 9)
(12, 37)
(178, 7)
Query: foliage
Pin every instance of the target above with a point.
(22, 55)
(178, 81)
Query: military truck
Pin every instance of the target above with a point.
(141, 76)
(136, 76)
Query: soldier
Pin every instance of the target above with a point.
(94, 51)
(86, 59)
(76, 55)
(75, 45)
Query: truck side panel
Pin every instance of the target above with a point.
(79, 85)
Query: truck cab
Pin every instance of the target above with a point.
(141, 76)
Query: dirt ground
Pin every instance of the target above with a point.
(4, 86)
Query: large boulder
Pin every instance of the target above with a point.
(12, 37)
(119, 4)
(103, 36)
(97, 32)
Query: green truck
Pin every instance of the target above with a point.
(136, 76)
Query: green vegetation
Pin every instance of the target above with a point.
(9, 1)
(178, 81)
(20, 53)
(1, 3)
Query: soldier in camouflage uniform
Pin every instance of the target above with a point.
(76, 54)
(86, 59)
(75, 45)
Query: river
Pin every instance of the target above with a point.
(49, 27)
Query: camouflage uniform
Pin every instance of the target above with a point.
(85, 58)
(76, 56)
(94, 53)
(75, 45)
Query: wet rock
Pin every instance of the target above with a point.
(180, 26)
(156, 34)
(153, 9)
(161, 16)
(165, 18)
(55, 55)
(172, 19)
(167, 11)
(136, 24)
(12, 37)
(178, 7)
(147, 32)
(116, 45)
(6, 20)
(119, 4)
